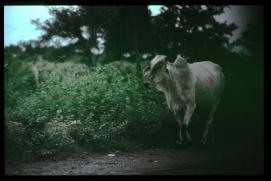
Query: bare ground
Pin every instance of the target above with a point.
(188, 161)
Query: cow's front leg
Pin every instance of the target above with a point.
(189, 110)
(212, 134)
(180, 130)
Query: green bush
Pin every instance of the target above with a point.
(108, 108)
(14, 146)
(19, 80)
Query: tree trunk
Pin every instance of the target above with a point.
(138, 63)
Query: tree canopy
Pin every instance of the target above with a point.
(113, 31)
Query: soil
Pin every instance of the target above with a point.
(184, 161)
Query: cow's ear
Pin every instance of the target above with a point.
(180, 62)
(167, 71)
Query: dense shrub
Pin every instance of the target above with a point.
(107, 108)
(19, 80)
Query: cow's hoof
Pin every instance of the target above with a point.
(184, 144)
(189, 139)
(212, 140)
(203, 141)
(179, 142)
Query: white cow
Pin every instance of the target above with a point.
(185, 87)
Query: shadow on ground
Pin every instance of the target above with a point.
(193, 160)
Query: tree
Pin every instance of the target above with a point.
(11, 51)
(125, 29)
(130, 31)
(251, 39)
(193, 32)
(70, 24)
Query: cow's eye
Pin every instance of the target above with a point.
(146, 69)
(158, 67)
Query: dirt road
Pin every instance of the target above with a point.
(148, 162)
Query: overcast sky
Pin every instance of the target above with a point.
(17, 26)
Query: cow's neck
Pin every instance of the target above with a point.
(168, 87)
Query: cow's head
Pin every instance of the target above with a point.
(157, 70)
(160, 69)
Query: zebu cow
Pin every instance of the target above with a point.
(186, 86)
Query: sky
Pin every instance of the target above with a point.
(18, 27)
(17, 24)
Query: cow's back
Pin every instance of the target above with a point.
(208, 80)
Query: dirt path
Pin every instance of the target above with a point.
(149, 162)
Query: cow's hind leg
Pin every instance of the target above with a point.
(187, 118)
(209, 125)
(212, 134)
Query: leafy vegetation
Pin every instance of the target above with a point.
(104, 109)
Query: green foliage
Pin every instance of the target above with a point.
(192, 31)
(108, 108)
(14, 146)
(19, 79)
(188, 30)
